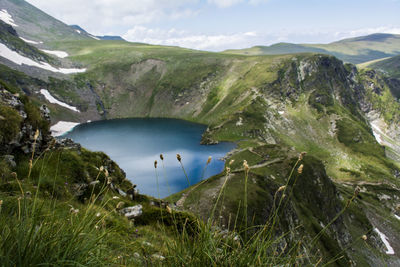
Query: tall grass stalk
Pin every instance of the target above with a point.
(179, 158)
(165, 174)
(246, 176)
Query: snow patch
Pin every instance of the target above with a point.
(30, 41)
(6, 17)
(94, 37)
(18, 59)
(60, 54)
(78, 31)
(62, 127)
(53, 100)
(281, 112)
(377, 132)
(239, 122)
(385, 241)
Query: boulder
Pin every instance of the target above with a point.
(132, 212)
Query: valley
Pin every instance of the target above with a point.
(273, 103)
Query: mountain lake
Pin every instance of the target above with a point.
(134, 144)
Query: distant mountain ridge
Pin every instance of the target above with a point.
(353, 50)
(273, 107)
(80, 30)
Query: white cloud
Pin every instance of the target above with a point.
(224, 3)
(175, 37)
(219, 42)
(99, 16)
(229, 3)
(367, 31)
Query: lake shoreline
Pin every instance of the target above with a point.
(135, 149)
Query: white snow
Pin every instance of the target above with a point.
(78, 31)
(60, 54)
(385, 241)
(281, 112)
(397, 217)
(62, 127)
(53, 100)
(239, 122)
(18, 59)
(377, 132)
(6, 17)
(30, 41)
(94, 37)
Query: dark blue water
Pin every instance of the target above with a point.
(136, 143)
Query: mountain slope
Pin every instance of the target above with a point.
(35, 25)
(273, 106)
(354, 50)
(81, 31)
(389, 66)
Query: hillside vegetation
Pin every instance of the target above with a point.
(388, 66)
(273, 204)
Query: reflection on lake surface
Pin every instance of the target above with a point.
(136, 143)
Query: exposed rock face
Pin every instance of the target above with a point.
(24, 123)
(132, 212)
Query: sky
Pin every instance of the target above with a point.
(217, 25)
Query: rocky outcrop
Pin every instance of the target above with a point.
(25, 126)
(132, 212)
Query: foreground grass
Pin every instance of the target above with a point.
(38, 228)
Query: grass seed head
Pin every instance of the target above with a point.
(231, 161)
(364, 237)
(246, 166)
(101, 168)
(300, 169)
(178, 157)
(209, 160)
(301, 155)
(398, 207)
(228, 170)
(169, 210)
(161, 157)
(35, 137)
(283, 187)
(155, 164)
(120, 205)
(357, 190)
(73, 210)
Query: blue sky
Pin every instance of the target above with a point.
(216, 25)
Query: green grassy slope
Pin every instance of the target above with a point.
(389, 66)
(273, 107)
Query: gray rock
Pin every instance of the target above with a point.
(132, 212)
(45, 112)
(9, 159)
(79, 189)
